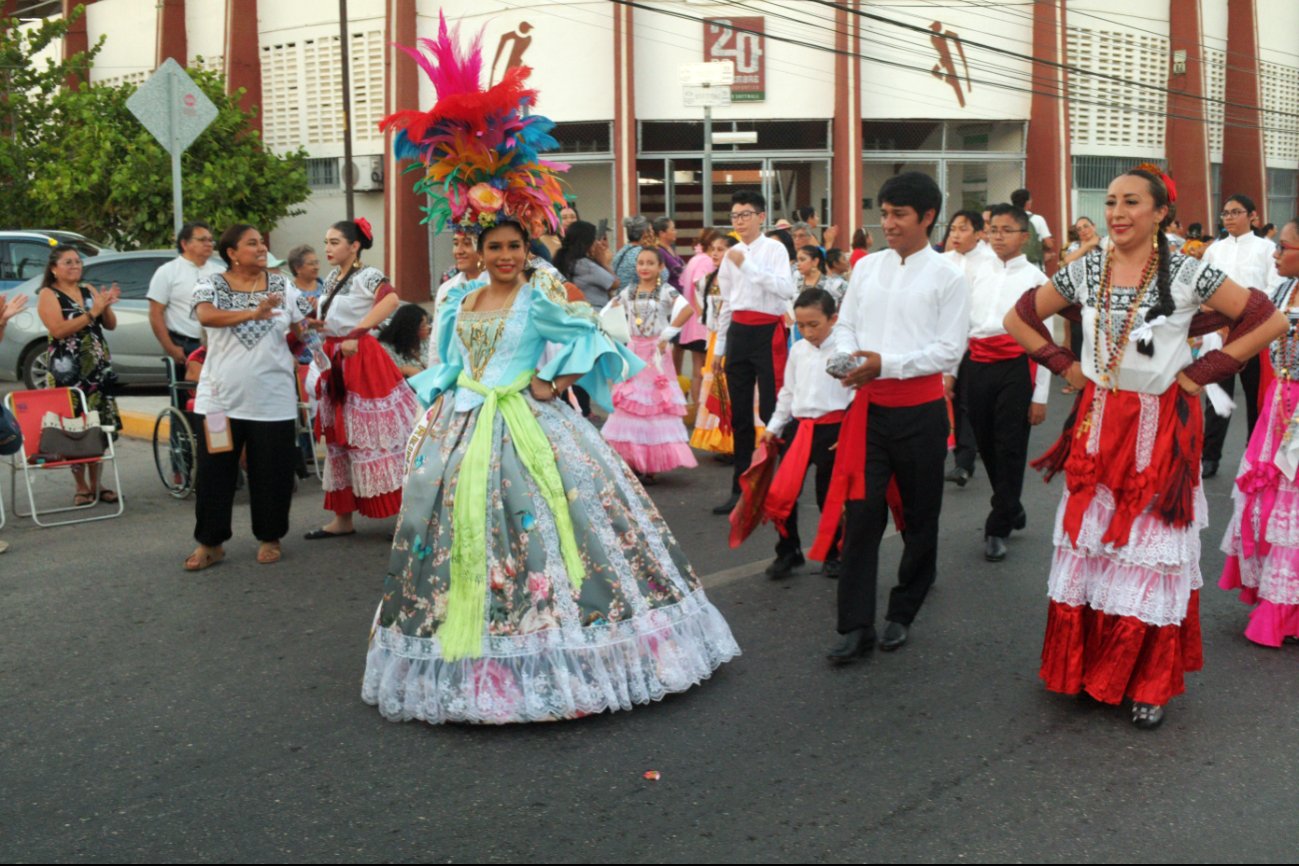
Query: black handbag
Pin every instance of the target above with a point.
(58, 445)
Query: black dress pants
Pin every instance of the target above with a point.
(1215, 426)
(966, 447)
(909, 443)
(270, 446)
(999, 396)
(824, 438)
(749, 365)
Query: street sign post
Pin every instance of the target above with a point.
(705, 85)
(175, 111)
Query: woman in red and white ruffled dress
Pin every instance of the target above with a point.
(366, 410)
(1262, 541)
(1123, 620)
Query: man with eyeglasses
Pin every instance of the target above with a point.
(757, 289)
(171, 292)
(1249, 261)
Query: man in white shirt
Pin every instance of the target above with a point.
(903, 325)
(171, 292)
(965, 246)
(757, 288)
(1249, 261)
(1023, 199)
(1003, 401)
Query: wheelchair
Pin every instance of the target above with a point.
(175, 448)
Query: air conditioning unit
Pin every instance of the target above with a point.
(366, 173)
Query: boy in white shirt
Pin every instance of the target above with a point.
(808, 411)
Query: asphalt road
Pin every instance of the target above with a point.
(151, 715)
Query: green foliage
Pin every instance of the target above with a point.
(81, 161)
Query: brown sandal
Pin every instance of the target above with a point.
(81, 500)
(198, 561)
(269, 553)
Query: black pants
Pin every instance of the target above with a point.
(999, 396)
(966, 447)
(270, 446)
(908, 443)
(824, 438)
(1215, 426)
(749, 364)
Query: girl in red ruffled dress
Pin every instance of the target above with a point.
(1123, 620)
(366, 409)
(1262, 541)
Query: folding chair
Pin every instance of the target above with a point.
(30, 407)
(306, 418)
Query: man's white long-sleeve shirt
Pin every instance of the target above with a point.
(1248, 260)
(973, 261)
(915, 314)
(997, 287)
(763, 285)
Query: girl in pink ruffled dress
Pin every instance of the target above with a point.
(1262, 541)
(646, 426)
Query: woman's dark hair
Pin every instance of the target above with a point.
(859, 239)
(1194, 231)
(56, 252)
(833, 256)
(785, 238)
(230, 239)
(817, 255)
(187, 234)
(578, 240)
(402, 330)
(914, 190)
(816, 298)
(507, 222)
(352, 233)
(803, 214)
(661, 224)
(706, 238)
(1163, 305)
(658, 254)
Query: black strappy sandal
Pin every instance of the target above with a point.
(1147, 716)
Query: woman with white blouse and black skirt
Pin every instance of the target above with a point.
(247, 397)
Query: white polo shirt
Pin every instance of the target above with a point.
(173, 287)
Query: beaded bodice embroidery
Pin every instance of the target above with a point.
(481, 334)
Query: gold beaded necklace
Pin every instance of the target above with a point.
(1116, 346)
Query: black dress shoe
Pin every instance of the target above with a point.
(1209, 468)
(831, 568)
(729, 505)
(1021, 519)
(894, 636)
(994, 548)
(957, 475)
(785, 564)
(853, 646)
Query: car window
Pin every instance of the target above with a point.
(26, 259)
(132, 275)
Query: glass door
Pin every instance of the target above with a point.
(873, 176)
(794, 184)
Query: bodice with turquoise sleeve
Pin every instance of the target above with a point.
(495, 348)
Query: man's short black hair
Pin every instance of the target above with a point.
(816, 298)
(1020, 198)
(914, 190)
(751, 197)
(974, 218)
(187, 234)
(1018, 214)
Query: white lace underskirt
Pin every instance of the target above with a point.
(1275, 574)
(369, 473)
(1151, 577)
(556, 673)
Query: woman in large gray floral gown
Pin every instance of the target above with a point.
(531, 577)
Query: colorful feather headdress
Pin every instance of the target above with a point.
(480, 152)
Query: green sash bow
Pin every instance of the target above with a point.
(461, 634)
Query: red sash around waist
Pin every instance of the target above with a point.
(779, 338)
(849, 479)
(788, 483)
(989, 350)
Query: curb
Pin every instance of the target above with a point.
(138, 425)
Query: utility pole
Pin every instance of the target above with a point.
(345, 59)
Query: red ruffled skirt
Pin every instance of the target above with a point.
(366, 412)
(1124, 619)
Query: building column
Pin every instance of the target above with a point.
(1244, 166)
(171, 40)
(243, 57)
(1049, 167)
(405, 241)
(626, 190)
(1186, 132)
(76, 41)
(846, 167)
(10, 9)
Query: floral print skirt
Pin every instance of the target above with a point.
(638, 628)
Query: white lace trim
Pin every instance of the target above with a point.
(550, 674)
(1152, 543)
(380, 424)
(1155, 597)
(1098, 420)
(1147, 430)
(1276, 575)
(368, 473)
